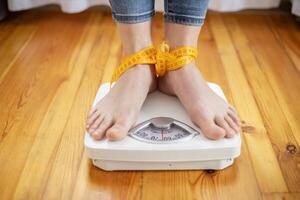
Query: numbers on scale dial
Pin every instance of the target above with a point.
(152, 133)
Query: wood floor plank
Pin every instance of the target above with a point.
(291, 110)
(247, 107)
(158, 29)
(11, 23)
(70, 147)
(287, 32)
(28, 89)
(265, 164)
(70, 150)
(281, 196)
(14, 35)
(280, 112)
(34, 175)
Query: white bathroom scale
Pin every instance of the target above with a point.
(163, 138)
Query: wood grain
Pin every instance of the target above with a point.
(260, 141)
(51, 65)
(283, 79)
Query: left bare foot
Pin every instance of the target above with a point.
(215, 117)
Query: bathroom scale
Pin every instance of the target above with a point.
(163, 138)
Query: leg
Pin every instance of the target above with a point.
(114, 115)
(211, 113)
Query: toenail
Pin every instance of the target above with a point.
(96, 135)
(110, 135)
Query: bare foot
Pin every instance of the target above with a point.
(114, 115)
(207, 110)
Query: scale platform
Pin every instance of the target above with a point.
(187, 153)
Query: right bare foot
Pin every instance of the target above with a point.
(113, 116)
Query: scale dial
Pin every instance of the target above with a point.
(162, 130)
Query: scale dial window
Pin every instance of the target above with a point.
(162, 130)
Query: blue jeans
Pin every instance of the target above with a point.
(187, 12)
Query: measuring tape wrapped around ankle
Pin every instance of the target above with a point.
(144, 56)
(167, 60)
(164, 59)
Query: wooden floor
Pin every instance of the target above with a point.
(51, 65)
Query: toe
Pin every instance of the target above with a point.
(233, 115)
(231, 123)
(119, 130)
(212, 131)
(92, 111)
(101, 129)
(92, 118)
(95, 124)
(222, 123)
(231, 107)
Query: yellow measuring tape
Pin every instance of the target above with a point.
(164, 59)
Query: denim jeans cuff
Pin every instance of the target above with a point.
(133, 18)
(185, 20)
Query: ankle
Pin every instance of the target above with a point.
(135, 46)
(187, 75)
(143, 73)
(180, 43)
(135, 37)
(178, 35)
